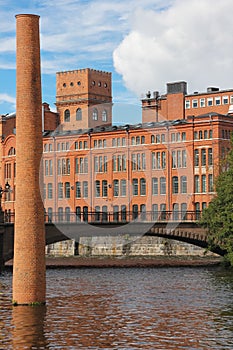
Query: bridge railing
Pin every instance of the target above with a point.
(123, 217)
(117, 217)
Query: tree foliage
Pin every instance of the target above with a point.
(218, 217)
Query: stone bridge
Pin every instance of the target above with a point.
(185, 230)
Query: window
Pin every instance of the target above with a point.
(67, 115)
(195, 103)
(196, 184)
(175, 208)
(142, 187)
(67, 190)
(225, 100)
(155, 212)
(79, 114)
(152, 138)
(187, 104)
(175, 184)
(104, 188)
(195, 135)
(162, 185)
(50, 190)
(210, 156)
(217, 101)
(157, 139)
(183, 181)
(178, 136)
(210, 183)
(154, 186)
(163, 138)
(85, 189)
(173, 137)
(205, 134)
(142, 140)
(60, 190)
(97, 188)
(183, 136)
(184, 159)
(135, 187)
(183, 211)
(210, 134)
(196, 157)
(104, 115)
(138, 140)
(203, 157)
(200, 135)
(163, 211)
(174, 159)
(202, 102)
(123, 212)
(135, 211)
(178, 159)
(123, 187)
(115, 188)
(78, 189)
(133, 141)
(203, 183)
(163, 160)
(210, 101)
(60, 214)
(95, 114)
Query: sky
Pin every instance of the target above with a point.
(145, 44)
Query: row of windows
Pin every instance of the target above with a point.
(200, 135)
(210, 101)
(93, 83)
(120, 212)
(203, 157)
(121, 141)
(201, 185)
(95, 115)
(119, 163)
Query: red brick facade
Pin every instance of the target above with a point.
(169, 162)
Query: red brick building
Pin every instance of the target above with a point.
(166, 163)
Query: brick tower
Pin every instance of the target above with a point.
(84, 98)
(29, 246)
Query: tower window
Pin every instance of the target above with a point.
(79, 82)
(95, 114)
(67, 115)
(79, 114)
(104, 115)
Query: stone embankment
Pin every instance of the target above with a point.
(101, 262)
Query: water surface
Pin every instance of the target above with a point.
(123, 308)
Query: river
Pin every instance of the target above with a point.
(123, 308)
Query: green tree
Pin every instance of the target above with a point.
(218, 217)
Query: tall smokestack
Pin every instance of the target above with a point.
(29, 246)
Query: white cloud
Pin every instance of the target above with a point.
(190, 40)
(8, 100)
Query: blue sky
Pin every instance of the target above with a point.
(145, 44)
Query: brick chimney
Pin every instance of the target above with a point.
(29, 246)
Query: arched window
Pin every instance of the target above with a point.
(104, 115)
(142, 187)
(175, 184)
(67, 115)
(183, 181)
(11, 151)
(79, 114)
(95, 114)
